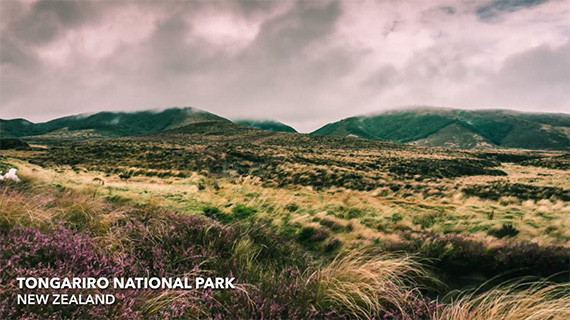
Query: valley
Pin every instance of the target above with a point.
(289, 215)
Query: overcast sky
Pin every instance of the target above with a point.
(304, 63)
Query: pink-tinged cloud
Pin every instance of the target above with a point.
(301, 62)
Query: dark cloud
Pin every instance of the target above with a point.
(289, 34)
(496, 7)
(540, 69)
(543, 64)
(47, 20)
(168, 52)
(12, 54)
(253, 8)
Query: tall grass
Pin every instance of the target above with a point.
(270, 267)
(538, 301)
(17, 209)
(366, 285)
(31, 206)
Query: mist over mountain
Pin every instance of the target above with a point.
(424, 126)
(108, 124)
(452, 128)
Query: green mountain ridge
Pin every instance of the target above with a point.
(107, 124)
(432, 127)
(463, 129)
(124, 124)
(267, 125)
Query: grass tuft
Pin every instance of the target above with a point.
(364, 285)
(538, 301)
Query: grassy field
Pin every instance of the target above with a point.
(311, 227)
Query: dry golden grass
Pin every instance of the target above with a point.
(153, 302)
(18, 209)
(35, 204)
(545, 222)
(367, 284)
(541, 301)
(362, 284)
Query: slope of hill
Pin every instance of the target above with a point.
(438, 127)
(12, 128)
(267, 125)
(107, 124)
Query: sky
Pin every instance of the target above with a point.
(304, 63)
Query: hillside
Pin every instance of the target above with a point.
(464, 129)
(280, 212)
(432, 127)
(267, 125)
(107, 124)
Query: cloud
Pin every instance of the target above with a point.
(534, 72)
(289, 34)
(47, 20)
(300, 62)
(496, 7)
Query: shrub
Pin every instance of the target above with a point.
(336, 227)
(306, 233)
(332, 245)
(310, 235)
(395, 187)
(425, 221)
(212, 212)
(507, 230)
(456, 255)
(396, 217)
(59, 253)
(291, 207)
(500, 189)
(169, 246)
(354, 213)
(241, 211)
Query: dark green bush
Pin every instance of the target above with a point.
(425, 221)
(354, 213)
(332, 245)
(291, 207)
(241, 211)
(507, 230)
(396, 217)
(311, 235)
(212, 212)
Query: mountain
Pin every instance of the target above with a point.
(434, 127)
(107, 124)
(266, 125)
(463, 129)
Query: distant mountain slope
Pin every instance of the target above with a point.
(107, 124)
(456, 136)
(12, 128)
(266, 125)
(438, 127)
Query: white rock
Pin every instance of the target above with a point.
(11, 175)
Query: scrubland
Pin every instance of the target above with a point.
(320, 228)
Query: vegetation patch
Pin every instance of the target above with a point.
(240, 211)
(506, 230)
(444, 168)
(7, 143)
(457, 255)
(498, 189)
